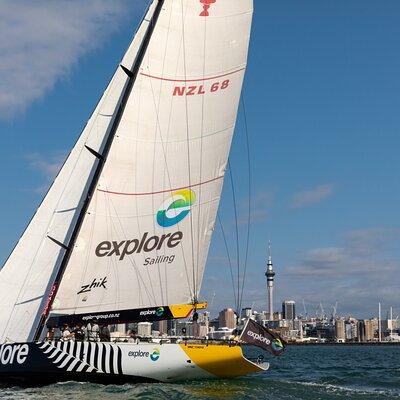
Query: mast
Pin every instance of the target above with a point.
(132, 74)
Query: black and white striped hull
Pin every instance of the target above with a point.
(46, 362)
(84, 356)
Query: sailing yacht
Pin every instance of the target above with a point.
(123, 233)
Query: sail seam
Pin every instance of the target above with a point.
(192, 80)
(161, 191)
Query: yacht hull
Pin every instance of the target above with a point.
(46, 362)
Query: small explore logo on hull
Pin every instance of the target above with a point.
(175, 208)
(154, 355)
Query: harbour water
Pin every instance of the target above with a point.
(305, 372)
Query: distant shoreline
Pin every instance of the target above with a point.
(344, 344)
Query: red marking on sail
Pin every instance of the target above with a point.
(160, 191)
(49, 300)
(206, 7)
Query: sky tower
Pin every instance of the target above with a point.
(269, 273)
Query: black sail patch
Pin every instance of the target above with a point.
(255, 334)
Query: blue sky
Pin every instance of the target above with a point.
(322, 99)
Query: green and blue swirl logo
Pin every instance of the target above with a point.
(277, 345)
(175, 208)
(160, 311)
(155, 355)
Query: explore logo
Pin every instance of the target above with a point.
(158, 312)
(154, 356)
(176, 208)
(146, 244)
(13, 353)
(257, 336)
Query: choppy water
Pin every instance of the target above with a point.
(309, 373)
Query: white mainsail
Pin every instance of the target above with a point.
(145, 236)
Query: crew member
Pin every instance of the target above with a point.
(133, 338)
(79, 333)
(104, 333)
(92, 331)
(66, 334)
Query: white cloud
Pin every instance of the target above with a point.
(41, 40)
(48, 165)
(358, 274)
(260, 204)
(312, 196)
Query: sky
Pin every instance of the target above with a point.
(321, 95)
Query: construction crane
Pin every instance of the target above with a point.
(305, 310)
(320, 313)
(334, 311)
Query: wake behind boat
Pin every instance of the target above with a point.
(124, 231)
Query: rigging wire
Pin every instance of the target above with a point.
(229, 257)
(249, 197)
(238, 296)
(236, 232)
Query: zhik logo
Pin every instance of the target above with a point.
(175, 208)
(95, 284)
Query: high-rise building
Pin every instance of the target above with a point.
(365, 330)
(374, 323)
(246, 313)
(340, 331)
(361, 331)
(289, 310)
(351, 329)
(144, 329)
(227, 318)
(270, 274)
(161, 327)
